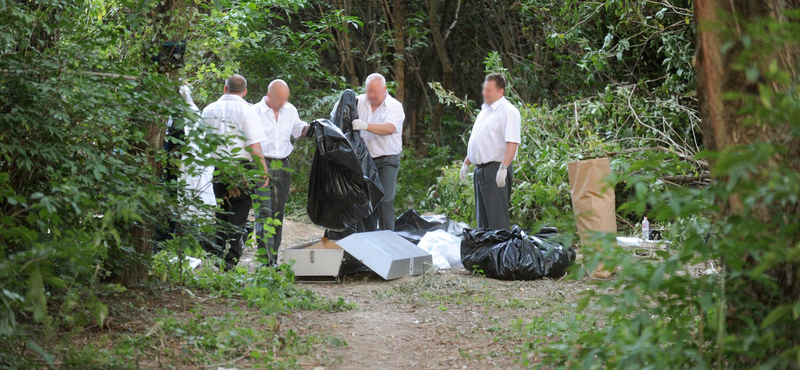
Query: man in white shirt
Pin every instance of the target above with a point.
(492, 147)
(280, 121)
(231, 116)
(381, 124)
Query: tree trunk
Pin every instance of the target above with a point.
(345, 46)
(725, 126)
(444, 59)
(137, 271)
(399, 22)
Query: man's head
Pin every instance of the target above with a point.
(494, 86)
(236, 85)
(376, 88)
(277, 94)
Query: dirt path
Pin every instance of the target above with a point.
(443, 320)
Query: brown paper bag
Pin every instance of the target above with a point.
(593, 201)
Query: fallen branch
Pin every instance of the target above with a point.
(685, 157)
(682, 179)
(89, 73)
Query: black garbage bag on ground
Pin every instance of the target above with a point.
(344, 187)
(512, 255)
(412, 226)
(558, 258)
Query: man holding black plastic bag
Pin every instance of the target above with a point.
(232, 116)
(380, 120)
(492, 147)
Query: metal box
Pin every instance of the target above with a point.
(387, 254)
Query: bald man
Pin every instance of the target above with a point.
(280, 121)
(380, 120)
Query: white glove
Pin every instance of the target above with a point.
(463, 173)
(500, 179)
(359, 124)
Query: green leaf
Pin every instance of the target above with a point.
(48, 358)
(102, 313)
(776, 315)
(658, 276)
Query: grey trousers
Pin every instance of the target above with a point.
(388, 167)
(272, 202)
(491, 202)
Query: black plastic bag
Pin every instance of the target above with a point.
(512, 255)
(344, 188)
(557, 258)
(412, 226)
(344, 113)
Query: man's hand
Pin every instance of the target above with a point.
(463, 173)
(359, 125)
(266, 182)
(500, 179)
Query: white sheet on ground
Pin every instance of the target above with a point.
(444, 247)
(627, 241)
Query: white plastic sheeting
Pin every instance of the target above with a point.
(444, 247)
(199, 180)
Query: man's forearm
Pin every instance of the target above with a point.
(466, 161)
(258, 154)
(511, 151)
(386, 128)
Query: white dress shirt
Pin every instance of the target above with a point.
(496, 125)
(278, 132)
(232, 115)
(390, 111)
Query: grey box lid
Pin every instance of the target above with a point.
(384, 252)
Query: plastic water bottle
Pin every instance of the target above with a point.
(645, 229)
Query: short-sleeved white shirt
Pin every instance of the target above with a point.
(232, 115)
(496, 125)
(390, 111)
(279, 143)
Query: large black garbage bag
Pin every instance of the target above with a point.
(337, 194)
(512, 255)
(343, 115)
(344, 187)
(557, 258)
(412, 226)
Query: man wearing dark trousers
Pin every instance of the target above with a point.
(232, 116)
(280, 122)
(492, 148)
(380, 120)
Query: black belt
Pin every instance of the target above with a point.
(482, 165)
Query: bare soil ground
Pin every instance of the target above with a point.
(443, 320)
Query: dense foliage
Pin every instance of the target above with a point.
(83, 112)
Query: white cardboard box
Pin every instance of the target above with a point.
(320, 258)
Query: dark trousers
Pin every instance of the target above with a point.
(272, 203)
(231, 219)
(388, 167)
(491, 202)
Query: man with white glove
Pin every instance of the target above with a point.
(380, 120)
(492, 147)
